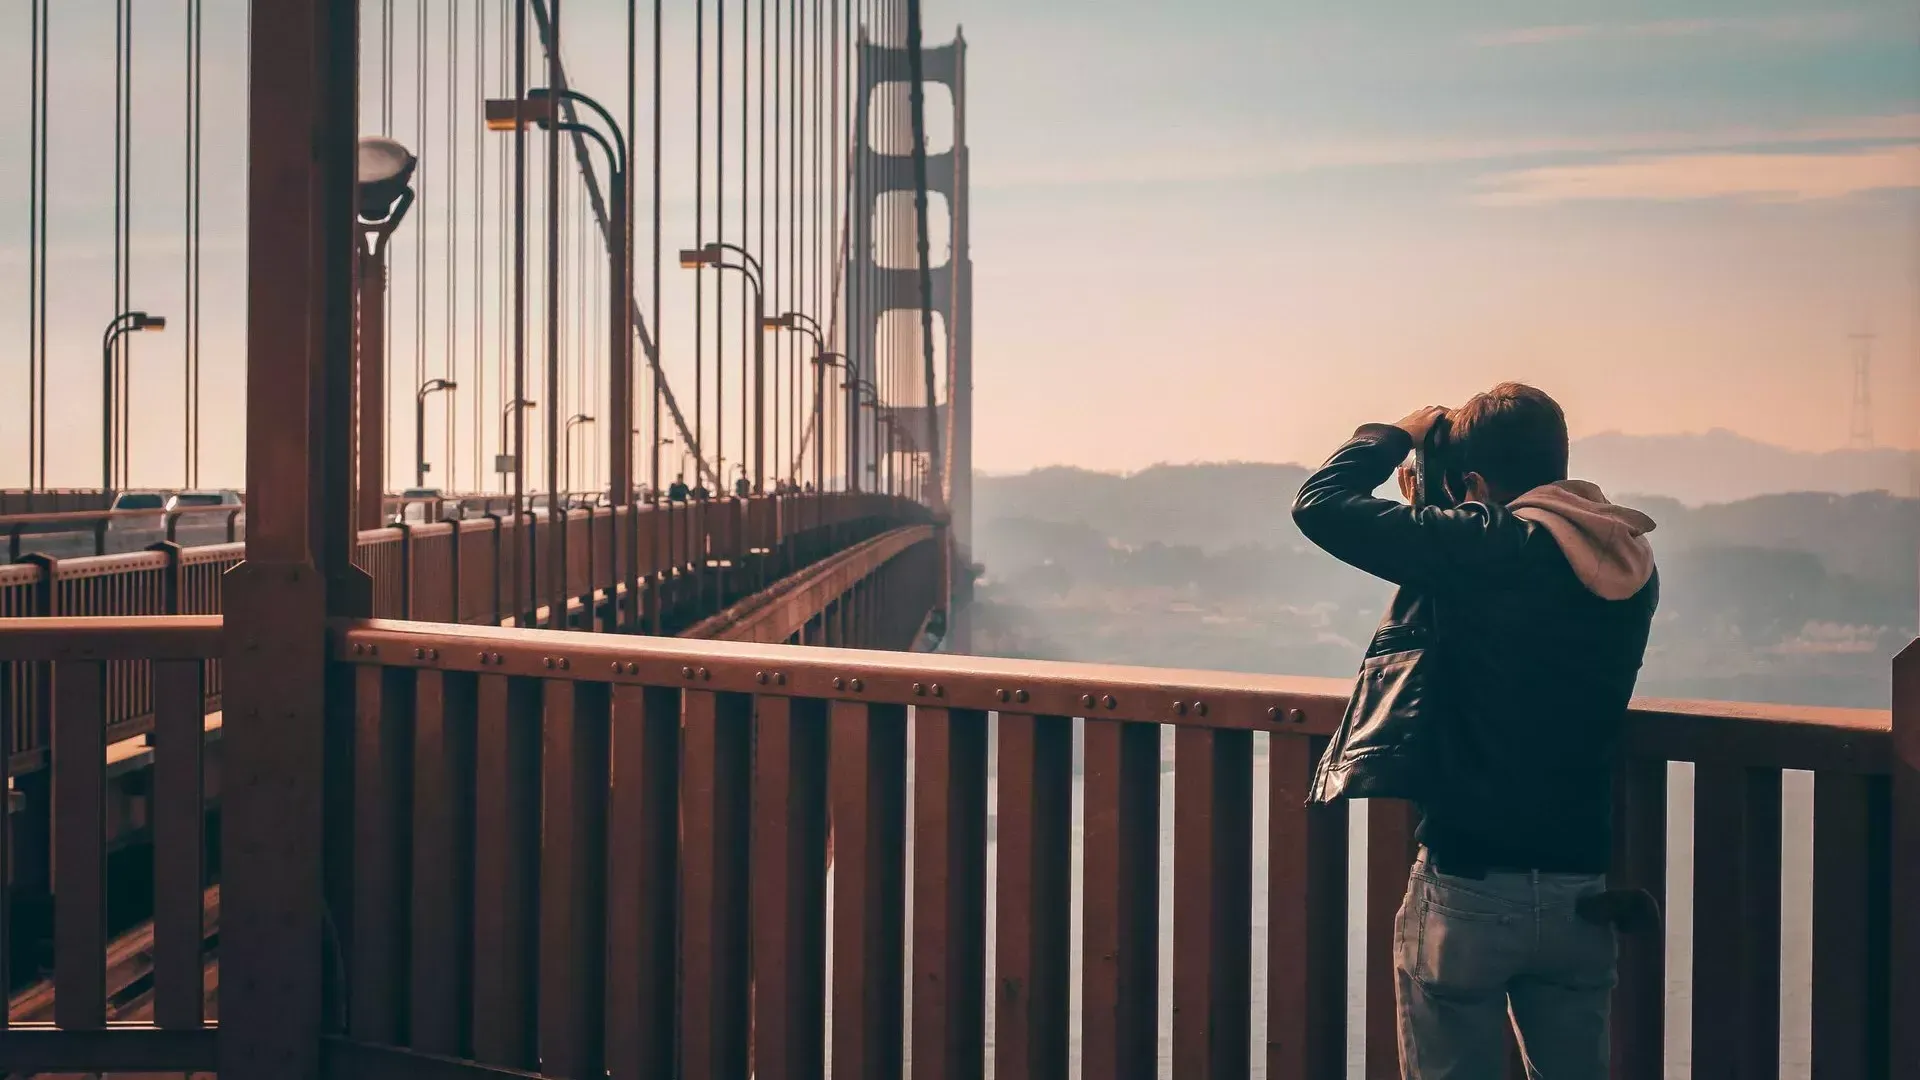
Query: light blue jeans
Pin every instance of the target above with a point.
(1472, 954)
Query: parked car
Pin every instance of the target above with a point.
(192, 500)
(155, 501)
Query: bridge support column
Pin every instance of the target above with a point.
(282, 714)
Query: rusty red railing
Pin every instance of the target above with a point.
(453, 571)
(538, 823)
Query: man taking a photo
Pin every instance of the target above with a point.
(1533, 596)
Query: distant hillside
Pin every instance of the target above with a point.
(1721, 466)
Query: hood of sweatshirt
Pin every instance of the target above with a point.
(1605, 544)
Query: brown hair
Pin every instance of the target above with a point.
(1514, 436)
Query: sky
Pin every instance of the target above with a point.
(1203, 231)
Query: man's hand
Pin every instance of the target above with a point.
(1420, 422)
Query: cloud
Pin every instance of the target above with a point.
(1820, 27)
(1747, 177)
(1204, 158)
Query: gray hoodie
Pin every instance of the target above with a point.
(1605, 544)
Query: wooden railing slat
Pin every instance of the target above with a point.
(1639, 861)
(382, 853)
(1850, 913)
(713, 904)
(442, 895)
(789, 887)
(643, 840)
(1120, 966)
(1212, 902)
(1736, 921)
(1034, 846)
(1390, 853)
(1306, 920)
(573, 788)
(506, 846)
(79, 844)
(868, 797)
(949, 894)
(179, 834)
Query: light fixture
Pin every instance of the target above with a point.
(385, 174)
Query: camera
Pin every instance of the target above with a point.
(1437, 481)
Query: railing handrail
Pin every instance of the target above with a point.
(122, 637)
(1763, 735)
(1759, 735)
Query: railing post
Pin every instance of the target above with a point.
(1903, 997)
(406, 569)
(499, 564)
(172, 590)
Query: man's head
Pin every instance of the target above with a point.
(1508, 441)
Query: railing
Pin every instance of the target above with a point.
(79, 658)
(542, 822)
(605, 798)
(454, 571)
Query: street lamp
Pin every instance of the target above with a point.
(112, 407)
(541, 107)
(420, 465)
(806, 324)
(385, 177)
(504, 463)
(572, 421)
(714, 255)
(861, 387)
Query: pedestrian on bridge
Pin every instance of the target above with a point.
(1493, 696)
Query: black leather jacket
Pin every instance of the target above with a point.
(1529, 672)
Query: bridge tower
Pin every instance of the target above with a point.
(882, 282)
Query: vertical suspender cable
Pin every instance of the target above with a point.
(39, 254)
(477, 394)
(720, 233)
(917, 105)
(746, 310)
(700, 232)
(659, 321)
(761, 146)
(554, 417)
(452, 240)
(522, 563)
(34, 468)
(186, 336)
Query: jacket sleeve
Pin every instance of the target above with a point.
(1426, 548)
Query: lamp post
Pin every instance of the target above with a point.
(504, 463)
(541, 107)
(420, 466)
(112, 450)
(385, 192)
(714, 255)
(806, 324)
(859, 387)
(572, 422)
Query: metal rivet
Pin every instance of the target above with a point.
(498, 660)
(939, 691)
(919, 690)
(433, 654)
(564, 663)
(760, 677)
(1020, 696)
(483, 659)
(1002, 695)
(547, 660)
(1199, 708)
(1086, 700)
(686, 673)
(705, 674)
(839, 683)
(1179, 708)
(858, 686)
(779, 678)
(373, 650)
(1273, 714)
(616, 667)
(419, 654)
(359, 649)
(1297, 716)
(1109, 701)
(633, 669)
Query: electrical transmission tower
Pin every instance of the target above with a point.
(1860, 431)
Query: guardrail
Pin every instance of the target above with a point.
(580, 852)
(453, 571)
